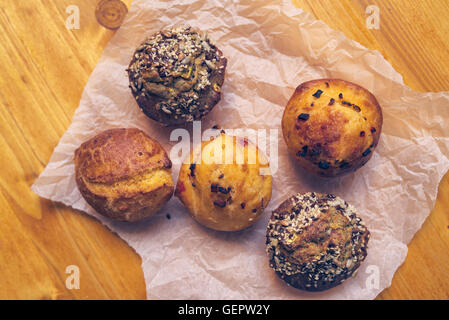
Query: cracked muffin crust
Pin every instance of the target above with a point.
(124, 174)
(331, 127)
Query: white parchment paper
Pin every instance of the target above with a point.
(271, 48)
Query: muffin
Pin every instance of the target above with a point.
(331, 127)
(176, 76)
(316, 241)
(124, 174)
(225, 183)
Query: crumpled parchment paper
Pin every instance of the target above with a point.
(271, 47)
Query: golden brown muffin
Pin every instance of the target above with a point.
(124, 174)
(176, 76)
(227, 185)
(316, 241)
(332, 126)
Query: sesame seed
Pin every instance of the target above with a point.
(165, 63)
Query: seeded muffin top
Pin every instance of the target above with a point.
(316, 241)
(176, 75)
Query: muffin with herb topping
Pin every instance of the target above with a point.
(316, 241)
(176, 75)
(225, 183)
(331, 126)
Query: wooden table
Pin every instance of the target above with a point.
(45, 67)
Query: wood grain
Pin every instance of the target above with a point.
(45, 68)
(48, 67)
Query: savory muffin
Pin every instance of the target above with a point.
(176, 75)
(124, 174)
(225, 183)
(331, 126)
(316, 241)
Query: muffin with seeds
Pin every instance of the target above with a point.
(331, 127)
(176, 75)
(316, 241)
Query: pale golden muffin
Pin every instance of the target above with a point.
(124, 174)
(225, 183)
(316, 241)
(331, 126)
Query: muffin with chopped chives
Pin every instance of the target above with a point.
(316, 241)
(176, 75)
(331, 126)
(225, 183)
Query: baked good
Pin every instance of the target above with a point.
(331, 126)
(316, 241)
(176, 75)
(225, 183)
(124, 174)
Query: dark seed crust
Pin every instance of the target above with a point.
(176, 76)
(316, 241)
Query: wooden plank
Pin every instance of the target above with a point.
(40, 90)
(45, 69)
(414, 38)
(413, 35)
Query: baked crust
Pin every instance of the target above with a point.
(124, 174)
(331, 126)
(176, 76)
(229, 196)
(316, 241)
